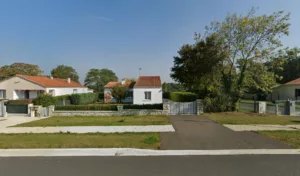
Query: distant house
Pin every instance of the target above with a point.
(30, 87)
(146, 90)
(289, 90)
(108, 98)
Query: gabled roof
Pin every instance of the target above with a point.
(111, 84)
(48, 82)
(294, 82)
(148, 81)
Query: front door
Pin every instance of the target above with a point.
(26, 94)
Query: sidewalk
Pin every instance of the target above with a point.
(5, 124)
(138, 152)
(89, 129)
(263, 127)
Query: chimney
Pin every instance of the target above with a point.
(123, 81)
(69, 80)
(51, 77)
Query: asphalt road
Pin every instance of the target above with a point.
(246, 165)
(196, 132)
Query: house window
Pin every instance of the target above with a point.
(130, 94)
(2, 94)
(148, 95)
(297, 93)
(74, 91)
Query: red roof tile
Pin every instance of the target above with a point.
(294, 82)
(148, 81)
(113, 83)
(48, 82)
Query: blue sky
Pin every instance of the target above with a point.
(122, 35)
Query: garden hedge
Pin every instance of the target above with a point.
(87, 108)
(182, 96)
(45, 100)
(83, 99)
(144, 106)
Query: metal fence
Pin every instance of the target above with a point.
(176, 108)
(270, 107)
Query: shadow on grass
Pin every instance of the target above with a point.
(295, 121)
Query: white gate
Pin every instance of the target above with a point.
(177, 108)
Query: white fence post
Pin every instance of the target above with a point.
(199, 107)
(261, 107)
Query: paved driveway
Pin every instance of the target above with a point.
(196, 132)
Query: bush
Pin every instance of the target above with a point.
(166, 95)
(17, 102)
(182, 96)
(220, 103)
(44, 100)
(63, 97)
(83, 99)
(144, 106)
(101, 96)
(87, 108)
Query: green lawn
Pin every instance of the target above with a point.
(292, 138)
(89, 140)
(98, 121)
(251, 118)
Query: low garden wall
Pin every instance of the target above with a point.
(129, 112)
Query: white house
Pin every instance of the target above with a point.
(146, 90)
(30, 87)
(289, 90)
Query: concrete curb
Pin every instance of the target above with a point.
(138, 152)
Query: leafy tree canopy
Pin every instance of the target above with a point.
(19, 68)
(64, 72)
(119, 92)
(97, 78)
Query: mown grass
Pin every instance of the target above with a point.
(251, 118)
(88, 140)
(98, 121)
(292, 138)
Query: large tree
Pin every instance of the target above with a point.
(246, 40)
(19, 68)
(230, 58)
(64, 72)
(289, 65)
(97, 78)
(197, 67)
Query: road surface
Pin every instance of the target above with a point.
(246, 165)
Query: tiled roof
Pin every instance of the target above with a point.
(294, 82)
(148, 81)
(48, 82)
(113, 83)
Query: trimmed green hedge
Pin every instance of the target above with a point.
(144, 106)
(44, 100)
(87, 108)
(83, 99)
(19, 102)
(182, 96)
(63, 97)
